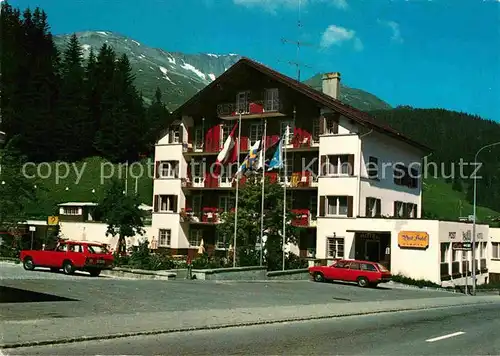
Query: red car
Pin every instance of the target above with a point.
(364, 273)
(71, 256)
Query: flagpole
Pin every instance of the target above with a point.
(237, 189)
(263, 163)
(284, 195)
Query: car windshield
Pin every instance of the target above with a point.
(97, 249)
(382, 268)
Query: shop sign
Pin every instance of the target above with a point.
(369, 236)
(413, 240)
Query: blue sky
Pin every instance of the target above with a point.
(422, 53)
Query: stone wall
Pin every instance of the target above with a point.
(237, 273)
(292, 274)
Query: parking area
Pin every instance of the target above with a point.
(43, 294)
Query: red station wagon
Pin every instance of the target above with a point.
(364, 273)
(70, 256)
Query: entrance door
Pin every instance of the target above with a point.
(372, 249)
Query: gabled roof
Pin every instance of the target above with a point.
(348, 111)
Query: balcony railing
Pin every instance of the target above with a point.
(254, 107)
(299, 180)
(200, 182)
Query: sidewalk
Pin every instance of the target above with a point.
(64, 330)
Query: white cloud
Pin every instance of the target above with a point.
(336, 35)
(396, 32)
(274, 5)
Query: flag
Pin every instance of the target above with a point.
(265, 155)
(277, 159)
(229, 151)
(250, 159)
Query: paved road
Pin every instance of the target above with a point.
(471, 330)
(74, 296)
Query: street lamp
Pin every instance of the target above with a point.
(474, 219)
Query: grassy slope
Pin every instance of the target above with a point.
(438, 197)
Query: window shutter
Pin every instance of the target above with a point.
(322, 206)
(349, 206)
(367, 207)
(323, 170)
(156, 203)
(190, 132)
(176, 169)
(171, 136)
(335, 127)
(157, 169)
(395, 209)
(406, 210)
(174, 203)
(350, 161)
(322, 125)
(378, 209)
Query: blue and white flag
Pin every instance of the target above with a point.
(277, 160)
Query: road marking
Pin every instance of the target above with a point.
(445, 336)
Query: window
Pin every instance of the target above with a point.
(287, 125)
(166, 203)
(164, 237)
(405, 210)
(226, 203)
(335, 247)
(71, 210)
(483, 249)
(62, 248)
(368, 267)
(495, 250)
(372, 167)
(198, 138)
(338, 165)
(220, 241)
(331, 126)
(337, 205)
(168, 169)
(255, 133)
(405, 177)
(197, 169)
(196, 204)
(355, 265)
(175, 134)
(373, 207)
(272, 100)
(242, 101)
(226, 131)
(76, 248)
(445, 248)
(96, 249)
(195, 237)
(454, 255)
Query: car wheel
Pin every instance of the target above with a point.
(95, 273)
(318, 277)
(28, 264)
(68, 268)
(362, 282)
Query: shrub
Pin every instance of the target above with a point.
(295, 262)
(414, 282)
(206, 262)
(142, 258)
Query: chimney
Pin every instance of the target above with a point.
(331, 84)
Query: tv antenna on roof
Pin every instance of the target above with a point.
(299, 44)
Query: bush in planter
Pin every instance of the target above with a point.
(142, 258)
(293, 261)
(206, 262)
(414, 282)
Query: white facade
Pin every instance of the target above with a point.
(494, 253)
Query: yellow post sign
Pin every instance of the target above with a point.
(53, 220)
(413, 239)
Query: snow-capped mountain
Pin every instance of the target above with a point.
(178, 75)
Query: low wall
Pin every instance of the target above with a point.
(139, 273)
(291, 274)
(236, 273)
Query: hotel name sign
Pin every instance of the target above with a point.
(418, 240)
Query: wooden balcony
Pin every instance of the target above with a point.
(300, 180)
(207, 215)
(254, 109)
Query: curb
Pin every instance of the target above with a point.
(409, 286)
(217, 327)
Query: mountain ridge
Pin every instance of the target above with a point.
(181, 75)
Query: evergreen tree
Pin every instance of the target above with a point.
(75, 135)
(158, 117)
